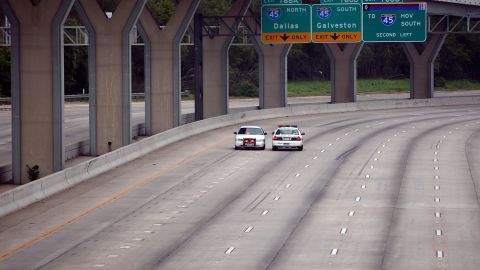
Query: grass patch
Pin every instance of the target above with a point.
(308, 88)
(459, 85)
(372, 86)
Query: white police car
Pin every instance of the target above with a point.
(287, 136)
(250, 137)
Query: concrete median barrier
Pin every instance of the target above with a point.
(22, 196)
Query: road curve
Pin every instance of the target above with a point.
(387, 189)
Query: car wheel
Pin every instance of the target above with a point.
(262, 148)
(300, 148)
(274, 148)
(237, 148)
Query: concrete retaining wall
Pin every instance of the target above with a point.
(22, 196)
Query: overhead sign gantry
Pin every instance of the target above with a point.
(343, 21)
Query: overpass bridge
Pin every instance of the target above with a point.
(37, 76)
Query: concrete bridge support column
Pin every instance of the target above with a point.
(421, 66)
(164, 105)
(343, 71)
(272, 68)
(215, 64)
(273, 74)
(37, 95)
(112, 78)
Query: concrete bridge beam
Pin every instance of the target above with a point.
(215, 64)
(112, 76)
(343, 63)
(273, 75)
(272, 68)
(37, 95)
(163, 106)
(421, 65)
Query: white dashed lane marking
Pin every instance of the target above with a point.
(229, 250)
(334, 252)
(249, 229)
(343, 231)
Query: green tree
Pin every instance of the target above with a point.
(76, 69)
(308, 62)
(215, 7)
(108, 5)
(459, 58)
(243, 71)
(161, 10)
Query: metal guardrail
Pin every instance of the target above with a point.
(7, 100)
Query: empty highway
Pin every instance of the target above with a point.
(386, 189)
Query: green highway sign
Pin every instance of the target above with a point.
(270, 2)
(336, 23)
(401, 22)
(286, 23)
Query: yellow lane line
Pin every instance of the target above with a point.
(117, 196)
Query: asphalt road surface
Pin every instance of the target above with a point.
(388, 189)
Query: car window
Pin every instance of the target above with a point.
(250, 131)
(287, 132)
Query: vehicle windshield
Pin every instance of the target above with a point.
(287, 132)
(250, 131)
